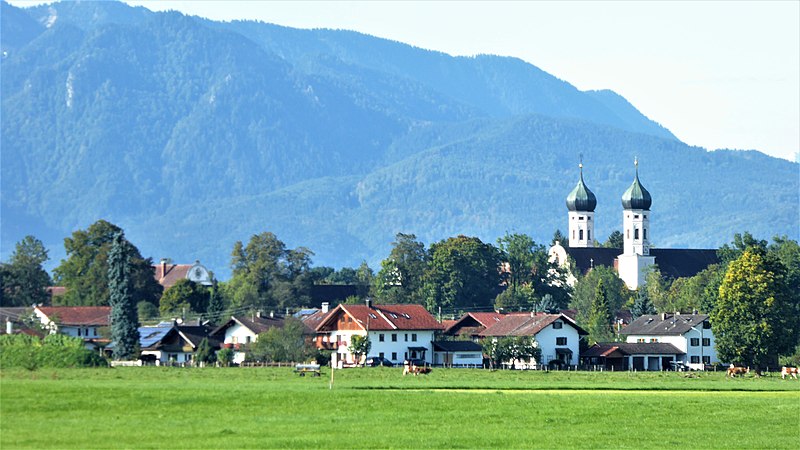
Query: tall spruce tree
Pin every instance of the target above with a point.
(599, 324)
(216, 305)
(124, 317)
(642, 305)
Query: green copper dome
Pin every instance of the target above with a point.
(636, 197)
(581, 198)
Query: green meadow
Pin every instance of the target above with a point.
(379, 408)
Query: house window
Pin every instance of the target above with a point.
(628, 233)
(413, 337)
(406, 336)
(706, 325)
(644, 233)
(380, 355)
(394, 356)
(588, 235)
(247, 339)
(557, 325)
(580, 235)
(695, 360)
(380, 337)
(187, 357)
(394, 337)
(640, 340)
(706, 360)
(561, 341)
(79, 332)
(635, 216)
(338, 339)
(573, 234)
(94, 330)
(413, 354)
(694, 342)
(653, 340)
(706, 342)
(636, 233)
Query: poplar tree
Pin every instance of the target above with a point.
(599, 324)
(124, 318)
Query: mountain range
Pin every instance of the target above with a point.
(191, 134)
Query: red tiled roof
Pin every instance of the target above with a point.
(386, 317)
(448, 323)
(312, 321)
(169, 274)
(77, 315)
(526, 324)
(487, 318)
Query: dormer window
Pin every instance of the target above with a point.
(558, 325)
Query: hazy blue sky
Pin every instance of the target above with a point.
(717, 74)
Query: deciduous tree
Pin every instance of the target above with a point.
(400, 279)
(185, 296)
(599, 322)
(23, 280)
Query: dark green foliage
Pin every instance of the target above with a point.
(642, 305)
(339, 139)
(463, 272)
(599, 323)
(268, 275)
(146, 311)
(216, 305)
(617, 294)
(85, 271)
(23, 281)
(185, 296)
(281, 344)
(526, 263)
(225, 357)
(205, 354)
(615, 240)
(124, 319)
(401, 276)
(56, 350)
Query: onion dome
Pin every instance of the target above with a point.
(636, 197)
(581, 198)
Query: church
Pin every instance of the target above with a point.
(637, 255)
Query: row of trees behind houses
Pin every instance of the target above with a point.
(751, 294)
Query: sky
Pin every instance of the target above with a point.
(717, 74)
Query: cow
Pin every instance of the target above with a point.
(410, 368)
(735, 370)
(791, 371)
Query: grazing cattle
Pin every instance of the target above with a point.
(791, 371)
(414, 369)
(734, 370)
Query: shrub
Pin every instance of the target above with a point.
(54, 351)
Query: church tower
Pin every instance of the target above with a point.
(635, 259)
(581, 203)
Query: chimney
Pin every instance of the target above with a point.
(258, 314)
(325, 306)
(163, 267)
(368, 301)
(9, 327)
(663, 316)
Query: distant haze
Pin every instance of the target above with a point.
(716, 74)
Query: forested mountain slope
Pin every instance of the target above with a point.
(192, 134)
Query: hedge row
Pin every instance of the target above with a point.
(54, 351)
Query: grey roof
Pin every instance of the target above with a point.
(581, 198)
(663, 324)
(636, 197)
(631, 348)
(456, 346)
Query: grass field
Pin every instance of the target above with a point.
(378, 408)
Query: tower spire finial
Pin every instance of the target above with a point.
(636, 165)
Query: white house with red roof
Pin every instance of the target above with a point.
(556, 335)
(80, 321)
(167, 274)
(396, 332)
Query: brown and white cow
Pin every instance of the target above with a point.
(791, 371)
(735, 370)
(411, 368)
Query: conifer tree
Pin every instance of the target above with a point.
(205, 354)
(642, 305)
(124, 317)
(216, 305)
(599, 324)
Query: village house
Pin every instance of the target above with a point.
(173, 343)
(690, 334)
(471, 325)
(639, 356)
(167, 274)
(85, 322)
(240, 331)
(396, 332)
(556, 335)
